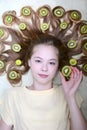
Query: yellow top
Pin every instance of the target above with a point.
(27, 109)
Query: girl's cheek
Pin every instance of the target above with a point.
(36, 67)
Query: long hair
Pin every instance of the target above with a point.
(64, 29)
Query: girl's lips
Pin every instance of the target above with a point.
(43, 75)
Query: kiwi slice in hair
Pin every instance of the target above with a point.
(1, 64)
(13, 75)
(75, 15)
(66, 71)
(73, 61)
(63, 25)
(43, 12)
(1, 32)
(22, 26)
(44, 26)
(71, 44)
(26, 11)
(83, 29)
(58, 12)
(18, 62)
(8, 19)
(16, 47)
(85, 46)
(84, 67)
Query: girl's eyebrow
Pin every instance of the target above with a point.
(38, 57)
(53, 59)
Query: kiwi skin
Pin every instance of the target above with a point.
(68, 73)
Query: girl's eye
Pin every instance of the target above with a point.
(52, 63)
(38, 61)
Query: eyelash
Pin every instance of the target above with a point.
(38, 61)
(52, 63)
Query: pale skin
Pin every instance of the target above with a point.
(44, 64)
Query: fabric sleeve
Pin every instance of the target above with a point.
(6, 111)
(79, 99)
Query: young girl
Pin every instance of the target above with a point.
(44, 105)
(43, 41)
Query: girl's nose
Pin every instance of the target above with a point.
(44, 67)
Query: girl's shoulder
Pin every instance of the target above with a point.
(12, 92)
(59, 91)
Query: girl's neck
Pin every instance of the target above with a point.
(40, 87)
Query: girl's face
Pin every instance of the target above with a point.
(44, 63)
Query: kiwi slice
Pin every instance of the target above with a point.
(16, 47)
(63, 25)
(73, 61)
(84, 67)
(8, 19)
(22, 26)
(83, 29)
(58, 12)
(18, 62)
(66, 71)
(43, 12)
(75, 15)
(71, 44)
(1, 32)
(1, 64)
(13, 75)
(44, 26)
(26, 11)
(85, 46)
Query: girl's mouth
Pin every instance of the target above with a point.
(43, 75)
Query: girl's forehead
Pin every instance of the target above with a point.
(41, 47)
(45, 50)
